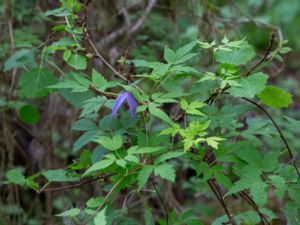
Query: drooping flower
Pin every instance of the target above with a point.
(132, 103)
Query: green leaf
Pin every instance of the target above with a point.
(84, 160)
(100, 218)
(29, 114)
(132, 158)
(98, 81)
(94, 202)
(186, 58)
(143, 150)
(275, 97)
(110, 143)
(259, 193)
(238, 186)
(169, 55)
(34, 83)
(184, 50)
(92, 105)
(85, 139)
(60, 175)
(84, 125)
(250, 86)
(214, 141)
(292, 213)
(159, 114)
(70, 213)
(143, 176)
(99, 166)
(19, 59)
(202, 168)
(165, 171)
(15, 176)
(167, 156)
(223, 179)
(238, 56)
(76, 61)
(279, 183)
(75, 81)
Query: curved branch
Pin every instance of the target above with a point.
(293, 159)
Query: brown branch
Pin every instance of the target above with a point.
(162, 202)
(77, 185)
(292, 157)
(272, 39)
(217, 192)
(250, 201)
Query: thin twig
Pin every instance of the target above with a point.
(98, 55)
(272, 39)
(293, 159)
(250, 201)
(162, 202)
(104, 200)
(77, 185)
(214, 187)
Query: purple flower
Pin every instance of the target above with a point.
(130, 101)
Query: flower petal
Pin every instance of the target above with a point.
(132, 104)
(119, 101)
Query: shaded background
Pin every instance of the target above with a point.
(140, 29)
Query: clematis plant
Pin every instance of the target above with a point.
(131, 101)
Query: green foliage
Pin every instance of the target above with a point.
(182, 130)
(250, 86)
(29, 114)
(275, 97)
(34, 83)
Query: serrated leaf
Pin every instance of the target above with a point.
(159, 114)
(15, 176)
(279, 183)
(238, 56)
(165, 171)
(92, 105)
(185, 49)
(19, 59)
(259, 193)
(238, 186)
(275, 97)
(214, 141)
(100, 218)
(110, 143)
(76, 61)
(98, 81)
(143, 176)
(167, 156)
(34, 83)
(76, 82)
(84, 139)
(250, 86)
(99, 166)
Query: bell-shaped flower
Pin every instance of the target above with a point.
(132, 103)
